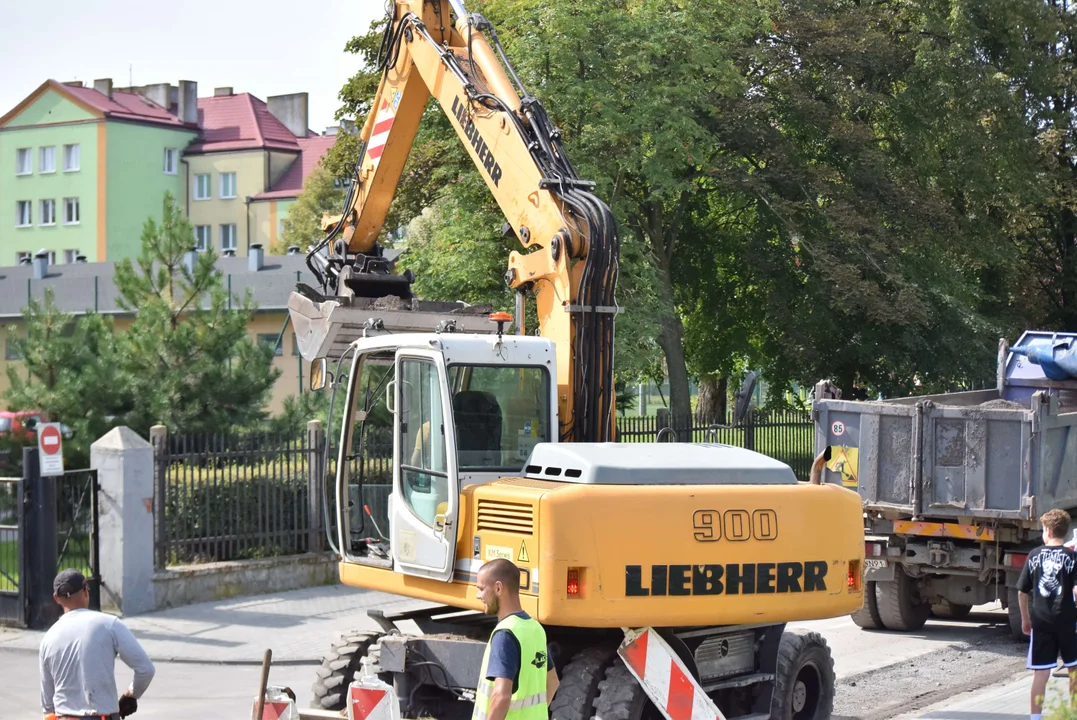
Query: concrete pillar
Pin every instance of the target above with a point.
(124, 464)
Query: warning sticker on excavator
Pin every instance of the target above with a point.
(522, 557)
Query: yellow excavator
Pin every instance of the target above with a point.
(462, 442)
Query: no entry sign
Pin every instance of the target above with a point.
(50, 445)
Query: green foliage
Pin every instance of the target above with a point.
(303, 226)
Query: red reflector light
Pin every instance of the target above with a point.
(873, 549)
(573, 582)
(854, 575)
(1016, 561)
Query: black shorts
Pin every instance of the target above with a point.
(1046, 644)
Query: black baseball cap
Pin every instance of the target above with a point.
(68, 582)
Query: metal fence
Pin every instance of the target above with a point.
(785, 435)
(11, 565)
(234, 497)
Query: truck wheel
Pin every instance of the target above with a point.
(621, 697)
(804, 683)
(338, 670)
(900, 606)
(868, 616)
(575, 698)
(950, 611)
(1013, 612)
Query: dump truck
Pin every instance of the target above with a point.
(953, 485)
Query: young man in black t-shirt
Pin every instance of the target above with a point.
(1048, 607)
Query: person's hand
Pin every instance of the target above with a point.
(128, 705)
(1026, 627)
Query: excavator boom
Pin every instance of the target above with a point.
(569, 236)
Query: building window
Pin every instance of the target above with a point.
(70, 256)
(228, 185)
(171, 155)
(71, 211)
(21, 256)
(228, 237)
(201, 187)
(10, 351)
(23, 163)
(270, 341)
(72, 159)
(48, 212)
(47, 162)
(52, 257)
(203, 238)
(24, 214)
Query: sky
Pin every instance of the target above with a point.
(266, 47)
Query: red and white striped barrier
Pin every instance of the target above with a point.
(664, 677)
(371, 699)
(278, 705)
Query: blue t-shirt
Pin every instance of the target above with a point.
(505, 655)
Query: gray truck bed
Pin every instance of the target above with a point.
(1008, 453)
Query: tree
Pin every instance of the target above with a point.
(189, 360)
(70, 372)
(303, 226)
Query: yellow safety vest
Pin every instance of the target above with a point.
(529, 700)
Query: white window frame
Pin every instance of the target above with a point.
(197, 186)
(203, 244)
(72, 150)
(171, 159)
(68, 203)
(235, 188)
(50, 213)
(70, 256)
(43, 167)
(26, 168)
(29, 214)
(231, 235)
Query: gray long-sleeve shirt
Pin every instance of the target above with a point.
(78, 660)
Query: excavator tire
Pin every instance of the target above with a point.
(868, 616)
(620, 697)
(338, 670)
(900, 606)
(950, 611)
(576, 693)
(804, 683)
(1013, 612)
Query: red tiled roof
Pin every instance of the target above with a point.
(239, 122)
(123, 105)
(290, 183)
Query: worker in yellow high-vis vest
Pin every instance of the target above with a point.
(518, 677)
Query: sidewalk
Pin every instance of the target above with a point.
(297, 626)
(1006, 701)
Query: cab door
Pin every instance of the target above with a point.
(426, 486)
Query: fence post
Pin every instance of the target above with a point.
(315, 480)
(159, 441)
(749, 430)
(41, 549)
(124, 463)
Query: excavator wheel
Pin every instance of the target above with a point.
(947, 610)
(804, 683)
(868, 616)
(580, 679)
(620, 697)
(339, 668)
(900, 606)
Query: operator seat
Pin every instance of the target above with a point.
(478, 420)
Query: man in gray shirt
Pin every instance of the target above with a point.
(78, 657)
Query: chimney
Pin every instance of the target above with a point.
(73, 83)
(41, 264)
(158, 93)
(81, 259)
(104, 87)
(188, 101)
(255, 258)
(222, 91)
(190, 260)
(291, 110)
(331, 130)
(293, 249)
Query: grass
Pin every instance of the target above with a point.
(9, 560)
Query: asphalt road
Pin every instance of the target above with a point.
(880, 674)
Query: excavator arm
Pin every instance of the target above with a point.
(570, 243)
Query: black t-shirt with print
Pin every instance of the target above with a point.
(1048, 578)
